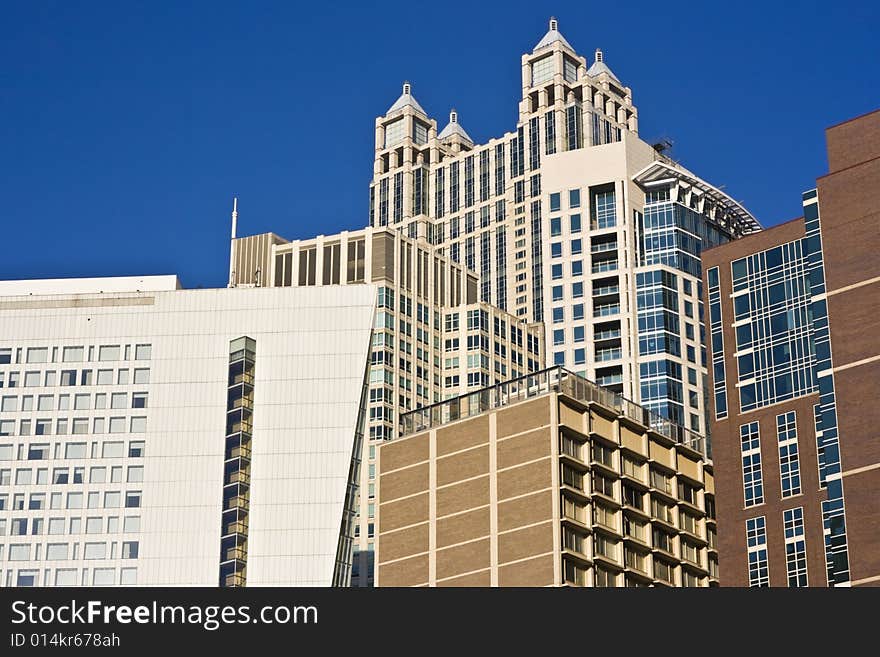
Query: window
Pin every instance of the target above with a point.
(601, 453)
(574, 510)
(795, 547)
(31, 379)
(139, 400)
(634, 528)
(75, 450)
(105, 377)
(109, 352)
(133, 500)
(605, 547)
(690, 552)
(117, 425)
(94, 525)
(95, 551)
(542, 70)
(135, 473)
(132, 524)
(634, 559)
(112, 499)
(72, 355)
(574, 574)
(113, 450)
(756, 543)
(789, 465)
(604, 578)
(122, 378)
(574, 198)
(605, 516)
(119, 400)
(572, 540)
(632, 467)
(138, 424)
(687, 493)
(751, 463)
(74, 500)
(136, 448)
(80, 426)
(603, 485)
(661, 510)
(19, 552)
(572, 477)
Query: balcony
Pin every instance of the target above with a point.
(610, 380)
(603, 355)
(604, 265)
(603, 247)
(611, 334)
(606, 310)
(606, 290)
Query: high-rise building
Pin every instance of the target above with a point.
(432, 337)
(571, 220)
(795, 374)
(156, 436)
(545, 480)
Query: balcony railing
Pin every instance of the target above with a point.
(606, 335)
(604, 246)
(605, 265)
(553, 379)
(608, 354)
(606, 310)
(607, 289)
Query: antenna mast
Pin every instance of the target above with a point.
(232, 242)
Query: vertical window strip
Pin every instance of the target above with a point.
(795, 547)
(716, 333)
(750, 443)
(833, 510)
(789, 465)
(756, 543)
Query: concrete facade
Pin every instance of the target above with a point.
(114, 412)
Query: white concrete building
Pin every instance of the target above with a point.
(156, 436)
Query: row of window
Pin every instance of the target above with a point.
(72, 526)
(76, 426)
(11, 403)
(72, 577)
(40, 451)
(65, 551)
(69, 378)
(113, 499)
(74, 354)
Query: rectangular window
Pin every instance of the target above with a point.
(756, 542)
(795, 547)
(789, 465)
(753, 485)
(109, 352)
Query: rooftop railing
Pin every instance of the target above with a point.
(537, 384)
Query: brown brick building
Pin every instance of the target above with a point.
(547, 480)
(795, 376)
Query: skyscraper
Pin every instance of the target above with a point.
(795, 377)
(571, 220)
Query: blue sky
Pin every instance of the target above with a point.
(127, 128)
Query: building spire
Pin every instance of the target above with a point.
(406, 98)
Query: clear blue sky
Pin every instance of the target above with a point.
(126, 128)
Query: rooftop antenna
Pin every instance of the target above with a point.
(232, 242)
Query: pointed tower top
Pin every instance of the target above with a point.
(454, 128)
(552, 36)
(405, 99)
(599, 66)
